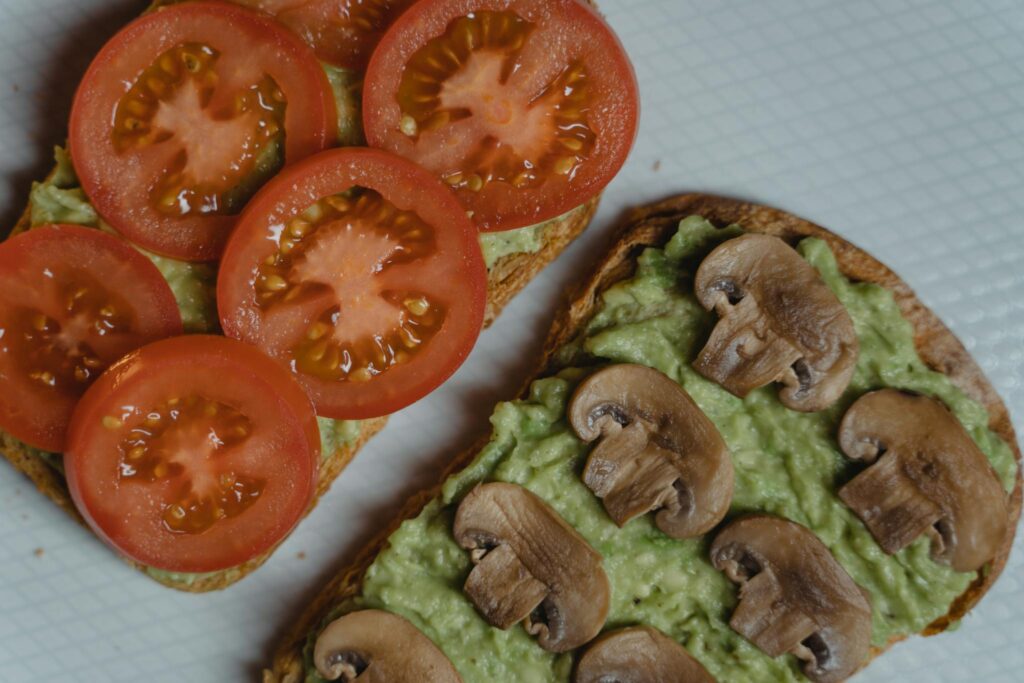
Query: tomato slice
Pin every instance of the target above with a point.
(185, 113)
(72, 301)
(193, 454)
(360, 272)
(527, 108)
(341, 32)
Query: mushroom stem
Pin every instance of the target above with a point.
(890, 505)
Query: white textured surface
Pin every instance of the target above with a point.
(897, 123)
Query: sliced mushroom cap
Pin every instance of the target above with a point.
(657, 450)
(927, 476)
(377, 646)
(778, 322)
(639, 654)
(531, 565)
(794, 596)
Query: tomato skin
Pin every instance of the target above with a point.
(221, 369)
(328, 26)
(39, 416)
(408, 187)
(578, 31)
(117, 183)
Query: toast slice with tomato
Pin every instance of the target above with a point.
(579, 339)
(551, 213)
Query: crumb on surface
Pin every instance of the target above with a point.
(301, 555)
(657, 166)
(38, 552)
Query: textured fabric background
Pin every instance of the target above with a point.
(897, 123)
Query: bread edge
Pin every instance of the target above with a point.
(653, 225)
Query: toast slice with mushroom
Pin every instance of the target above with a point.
(653, 226)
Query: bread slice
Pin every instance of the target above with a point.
(506, 277)
(653, 226)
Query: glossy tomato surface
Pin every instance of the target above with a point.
(341, 32)
(193, 454)
(72, 301)
(527, 108)
(185, 113)
(359, 272)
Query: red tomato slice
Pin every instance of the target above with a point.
(527, 108)
(185, 112)
(341, 32)
(360, 272)
(193, 454)
(72, 301)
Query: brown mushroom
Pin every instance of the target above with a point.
(778, 322)
(639, 654)
(531, 565)
(657, 450)
(794, 596)
(926, 475)
(374, 645)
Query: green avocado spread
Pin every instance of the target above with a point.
(787, 463)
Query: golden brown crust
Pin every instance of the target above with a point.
(511, 273)
(652, 226)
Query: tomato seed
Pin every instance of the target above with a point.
(408, 126)
(275, 283)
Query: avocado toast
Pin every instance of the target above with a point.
(788, 464)
(512, 258)
(507, 274)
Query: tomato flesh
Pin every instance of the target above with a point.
(360, 273)
(527, 108)
(341, 32)
(72, 301)
(193, 454)
(185, 113)
(345, 253)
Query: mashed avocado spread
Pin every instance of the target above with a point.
(787, 463)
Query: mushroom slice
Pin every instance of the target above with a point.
(377, 646)
(926, 475)
(778, 322)
(639, 654)
(657, 450)
(532, 566)
(794, 596)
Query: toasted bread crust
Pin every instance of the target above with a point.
(511, 273)
(505, 278)
(652, 226)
